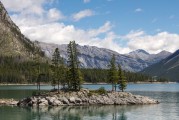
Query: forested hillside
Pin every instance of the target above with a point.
(14, 70)
(167, 68)
(22, 61)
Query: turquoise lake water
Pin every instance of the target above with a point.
(167, 94)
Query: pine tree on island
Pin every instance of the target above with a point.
(122, 79)
(74, 75)
(58, 69)
(112, 73)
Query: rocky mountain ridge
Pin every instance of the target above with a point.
(4, 17)
(12, 41)
(150, 58)
(94, 57)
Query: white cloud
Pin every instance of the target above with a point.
(26, 6)
(55, 15)
(82, 14)
(86, 1)
(45, 26)
(103, 29)
(133, 34)
(152, 43)
(32, 12)
(138, 10)
(60, 33)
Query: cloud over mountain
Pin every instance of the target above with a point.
(41, 20)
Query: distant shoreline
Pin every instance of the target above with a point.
(44, 84)
(131, 83)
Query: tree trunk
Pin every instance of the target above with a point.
(112, 87)
(58, 86)
(115, 87)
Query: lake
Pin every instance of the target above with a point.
(167, 94)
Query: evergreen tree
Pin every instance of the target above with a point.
(57, 62)
(52, 78)
(122, 79)
(112, 73)
(36, 59)
(74, 74)
(62, 71)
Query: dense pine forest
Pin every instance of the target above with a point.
(16, 70)
(100, 75)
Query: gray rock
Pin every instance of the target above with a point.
(43, 104)
(74, 98)
(43, 101)
(78, 100)
(65, 100)
(56, 103)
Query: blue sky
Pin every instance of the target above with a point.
(127, 15)
(120, 25)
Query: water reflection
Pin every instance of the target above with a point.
(168, 109)
(122, 117)
(80, 112)
(163, 111)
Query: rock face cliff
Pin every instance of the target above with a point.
(12, 41)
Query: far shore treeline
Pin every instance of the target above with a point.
(17, 70)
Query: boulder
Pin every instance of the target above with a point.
(56, 103)
(72, 100)
(65, 100)
(43, 102)
(78, 100)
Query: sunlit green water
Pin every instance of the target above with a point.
(167, 94)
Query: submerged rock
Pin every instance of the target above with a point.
(84, 97)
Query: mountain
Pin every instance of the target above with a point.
(139, 54)
(12, 41)
(155, 58)
(149, 58)
(94, 57)
(168, 67)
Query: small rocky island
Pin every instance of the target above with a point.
(85, 97)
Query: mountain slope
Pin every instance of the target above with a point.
(139, 54)
(12, 42)
(155, 58)
(150, 58)
(94, 57)
(167, 68)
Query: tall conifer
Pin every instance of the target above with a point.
(112, 73)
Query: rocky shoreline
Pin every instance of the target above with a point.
(8, 102)
(85, 97)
